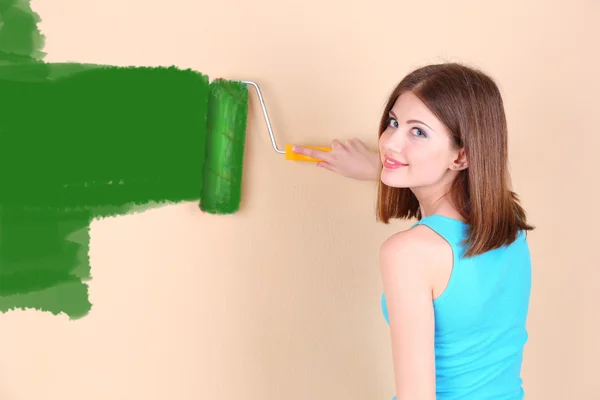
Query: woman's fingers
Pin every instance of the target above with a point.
(357, 144)
(335, 143)
(326, 165)
(314, 153)
(351, 159)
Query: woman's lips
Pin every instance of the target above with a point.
(390, 163)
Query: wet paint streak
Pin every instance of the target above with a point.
(78, 142)
(227, 118)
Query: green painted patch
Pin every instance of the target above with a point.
(82, 141)
(20, 38)
(86, 144)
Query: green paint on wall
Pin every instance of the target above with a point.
(82, 145)
(78, 142)
(85, 141)
(20, 38)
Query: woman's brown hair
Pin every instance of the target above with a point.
(469, 104)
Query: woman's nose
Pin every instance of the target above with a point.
(392, 143)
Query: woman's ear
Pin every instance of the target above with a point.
(460, 162)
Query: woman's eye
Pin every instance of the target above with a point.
(418, 132)
(393, 123)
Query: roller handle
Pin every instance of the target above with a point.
(290, 155)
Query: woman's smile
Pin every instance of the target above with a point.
(390, 163)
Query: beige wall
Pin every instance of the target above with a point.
(281, 301)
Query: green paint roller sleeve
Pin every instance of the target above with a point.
(226, 134)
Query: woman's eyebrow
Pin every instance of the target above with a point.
(411, 121)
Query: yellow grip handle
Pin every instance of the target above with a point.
(290, 155)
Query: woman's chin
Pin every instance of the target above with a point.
(391, 179)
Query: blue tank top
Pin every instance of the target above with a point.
(480, 318)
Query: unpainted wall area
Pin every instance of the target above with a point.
(282, 299)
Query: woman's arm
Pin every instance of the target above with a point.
(406, 275)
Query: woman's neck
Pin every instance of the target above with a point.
(436, 202)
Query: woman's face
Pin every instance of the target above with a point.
(416, 149)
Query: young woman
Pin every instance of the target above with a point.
(456, 285)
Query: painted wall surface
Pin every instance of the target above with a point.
(282, 299)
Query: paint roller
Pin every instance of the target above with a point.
(103, 137)
(289, 154)
(226, 133)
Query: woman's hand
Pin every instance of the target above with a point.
(351, 159)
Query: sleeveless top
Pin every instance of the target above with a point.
(480, 318)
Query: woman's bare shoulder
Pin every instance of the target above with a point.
(418, 247)
(420, 240)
